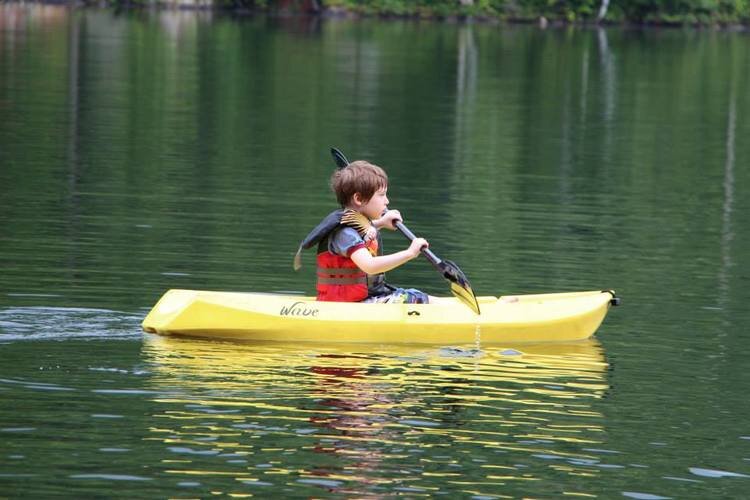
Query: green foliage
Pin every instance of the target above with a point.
(421, 8)
(569, 10)
(662, 11)
(639, 11)
(684, 11)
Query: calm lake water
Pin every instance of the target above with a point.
(146, 151)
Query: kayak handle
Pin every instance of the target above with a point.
(615, 300)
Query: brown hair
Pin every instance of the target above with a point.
(358, 177)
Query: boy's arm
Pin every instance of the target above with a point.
(382, 263)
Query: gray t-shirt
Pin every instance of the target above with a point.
(341, 241)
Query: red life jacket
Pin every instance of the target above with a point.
(339, 278)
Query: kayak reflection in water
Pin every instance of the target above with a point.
(351, 265)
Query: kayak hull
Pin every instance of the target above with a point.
(558, 317)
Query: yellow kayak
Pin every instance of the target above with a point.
(557, 317)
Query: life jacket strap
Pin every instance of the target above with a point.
(341, 276)
(342, 281)
(340, 271)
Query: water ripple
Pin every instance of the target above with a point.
(62, 323)
(714, 473)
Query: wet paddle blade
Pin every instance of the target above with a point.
(465, 295)
(460, 286)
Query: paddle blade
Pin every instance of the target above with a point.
(339, 158)
(460, 286)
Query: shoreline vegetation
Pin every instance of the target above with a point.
(723, 14)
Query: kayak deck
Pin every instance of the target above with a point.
(554, 317)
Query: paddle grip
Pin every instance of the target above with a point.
(434, 259)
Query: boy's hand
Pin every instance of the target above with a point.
(370, 234)
(417, 244)
(388, 219)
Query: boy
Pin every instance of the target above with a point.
(351, 264)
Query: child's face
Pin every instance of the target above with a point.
(376, 205)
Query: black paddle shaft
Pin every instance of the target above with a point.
(434, 259)
(460, 286)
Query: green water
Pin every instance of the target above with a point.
(147, 151)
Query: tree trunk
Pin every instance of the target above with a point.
(602, 11)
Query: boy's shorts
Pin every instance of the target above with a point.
(400, 296)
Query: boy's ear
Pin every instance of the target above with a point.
(357, 199)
